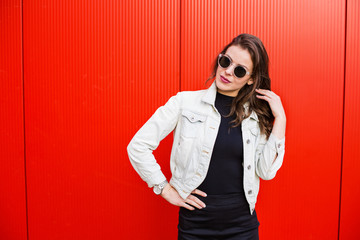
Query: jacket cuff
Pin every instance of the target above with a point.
(156, 178)
(276, 144)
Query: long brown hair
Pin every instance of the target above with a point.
(261, 79)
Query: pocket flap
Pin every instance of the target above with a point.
(193, 117)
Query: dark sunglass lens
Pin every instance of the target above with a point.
(224, 61)
(239, 72)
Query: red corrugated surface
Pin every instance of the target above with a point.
(350, 208)
(95, 71)
(305, 42)
(12, 175)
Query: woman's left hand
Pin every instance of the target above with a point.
(274, 102)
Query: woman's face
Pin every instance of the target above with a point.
(225, 80)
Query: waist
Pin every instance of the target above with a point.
(224, 199)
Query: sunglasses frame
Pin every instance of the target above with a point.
(231, 63)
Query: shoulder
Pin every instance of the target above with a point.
(189, 101)
(192, 93)
(190, 96)
(186, 99)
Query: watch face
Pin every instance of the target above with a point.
(157, 190)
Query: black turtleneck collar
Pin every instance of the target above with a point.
(223, 103)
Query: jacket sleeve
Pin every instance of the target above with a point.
(147, 139)
(266, 166)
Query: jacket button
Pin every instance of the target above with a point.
(279, 145)
(248, 141)
(249, 167)
(249, 192)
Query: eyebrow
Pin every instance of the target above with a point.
(237, 63)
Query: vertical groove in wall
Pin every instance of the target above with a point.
(343, 118)
(23, 100)
(350, 188)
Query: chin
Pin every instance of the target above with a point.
(222, 86)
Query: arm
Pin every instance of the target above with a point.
(270, 153)
(147, 139)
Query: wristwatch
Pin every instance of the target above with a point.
(159, 187)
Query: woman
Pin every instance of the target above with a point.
(225, 138)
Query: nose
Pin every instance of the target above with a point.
(229, 70)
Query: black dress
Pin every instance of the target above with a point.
(227, 214)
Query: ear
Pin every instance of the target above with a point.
(250, 81)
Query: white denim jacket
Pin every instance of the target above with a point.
(195, 121)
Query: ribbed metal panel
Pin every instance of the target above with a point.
(305, 42)
(95, 71)
(350, 208)
(12, 175)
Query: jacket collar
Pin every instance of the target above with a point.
(210, 96)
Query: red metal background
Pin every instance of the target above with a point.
(350, 194)
(95, 71)
(305, 42)
(12, 174)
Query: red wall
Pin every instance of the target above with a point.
(82, 76)
(12, 170)
(306, 50)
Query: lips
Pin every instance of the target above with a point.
(224, 79)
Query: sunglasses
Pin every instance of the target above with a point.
(225, 61)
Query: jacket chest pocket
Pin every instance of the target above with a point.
(191, 123)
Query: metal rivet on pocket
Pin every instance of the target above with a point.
(248, 141)
(249, 167)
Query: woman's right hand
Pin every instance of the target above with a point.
(172, 196)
